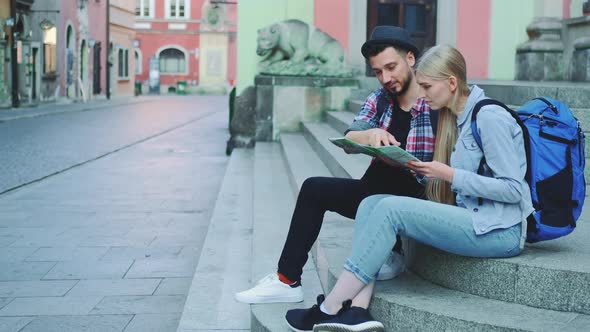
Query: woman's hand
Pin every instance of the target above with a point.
(432, 170)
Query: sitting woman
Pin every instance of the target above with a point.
(467, 214)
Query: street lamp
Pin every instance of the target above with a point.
(46, 24)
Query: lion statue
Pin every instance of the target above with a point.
(295, 42)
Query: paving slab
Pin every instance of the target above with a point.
(117, 241)
(33, 306)
(119, 305)
(162, 268)
(91, 323)
(97, 269)
(35, 288)
(5, 241)
(182, 239)
(151, 252)
(153, 323)
(62, 254)
(14, 324)
(174, 286)
(110, 287)
(24, 270)
(5, 301)
(12, 254)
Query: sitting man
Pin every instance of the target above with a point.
(392, 114)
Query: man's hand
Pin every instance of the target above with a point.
(432, 170)
(373, 137)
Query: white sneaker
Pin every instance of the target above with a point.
(271, 290)
(393, 266)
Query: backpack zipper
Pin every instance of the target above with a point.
(581, 142)
(549, 136)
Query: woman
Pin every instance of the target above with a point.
(468, 214)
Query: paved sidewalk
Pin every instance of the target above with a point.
(69, 106)
(112, 245)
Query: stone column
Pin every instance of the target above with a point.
(541, 58)
(581, 60)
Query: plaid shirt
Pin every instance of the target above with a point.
(420, 141)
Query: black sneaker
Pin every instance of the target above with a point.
(355, 319)
(305, 319)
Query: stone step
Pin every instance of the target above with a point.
(409, 303)
(575, 95)
(273, 205)
(551, 275)
(339, 120)
(302, 161)
(336, 160)
(484, 275)
(354, 105)
(224, 265)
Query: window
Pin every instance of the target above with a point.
(144, 8)
(172, 61)
(123, 63)
(50, 51)
(178, 8)
(138, 62)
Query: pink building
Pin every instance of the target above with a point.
(192, 41)
(97, 46)
(487, 32)
(122, 39)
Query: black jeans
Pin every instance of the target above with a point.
(343, 196)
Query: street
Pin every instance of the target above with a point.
(103, 213)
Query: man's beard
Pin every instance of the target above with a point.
(404, 87)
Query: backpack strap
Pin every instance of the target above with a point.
(525, 134)
(549, 104)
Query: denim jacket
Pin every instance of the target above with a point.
(505, 193)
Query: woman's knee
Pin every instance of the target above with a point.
(394, 208)
(368, 204)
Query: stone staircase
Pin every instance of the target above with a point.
(547, 288)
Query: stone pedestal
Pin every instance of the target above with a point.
(541, 58)
(282, 102)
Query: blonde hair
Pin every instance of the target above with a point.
(440, 63)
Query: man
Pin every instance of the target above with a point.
(392, 114)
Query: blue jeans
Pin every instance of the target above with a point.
(381, 217)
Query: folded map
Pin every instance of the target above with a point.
(390, 154)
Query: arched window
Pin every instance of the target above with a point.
(50, 51)
(138, 62)
(172, 61)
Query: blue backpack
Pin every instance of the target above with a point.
(554, 145)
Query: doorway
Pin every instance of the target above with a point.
(34, 74)
(417, 16)
(96, 89)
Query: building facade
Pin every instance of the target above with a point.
(488, 32)
(188, 41)
(5, 68)
(122, 40)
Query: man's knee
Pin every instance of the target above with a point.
(314, 187)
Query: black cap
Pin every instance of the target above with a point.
(392, 35)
